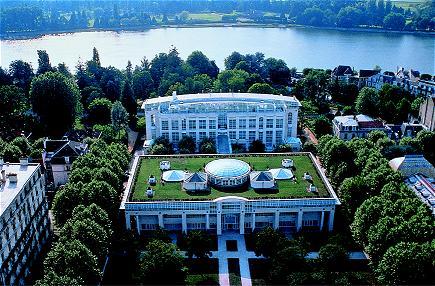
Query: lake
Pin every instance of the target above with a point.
(299, 47)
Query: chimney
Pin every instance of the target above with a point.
(24, 161)
(13, 178)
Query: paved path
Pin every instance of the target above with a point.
(242, 254)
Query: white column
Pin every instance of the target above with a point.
(184, 223)
(161, 221)
(137, 224)
(207, 221)
(276, 222)
(253, 222)
(127, 221)
(242, 223)
(331, 220)
(322, 218)
(299, 224)
(219, 223)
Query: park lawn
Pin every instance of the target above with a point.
(173, 191)
(210, 17)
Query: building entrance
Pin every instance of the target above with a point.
(230, 222)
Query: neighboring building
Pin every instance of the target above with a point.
(405, 130)
(235, 205)
(364, 75)
(225, 117)
(351, 126)
(427, 113)
(58, 157)
(420, 177)
(24, 222)
(342, 73)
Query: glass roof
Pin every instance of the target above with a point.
(227, 168)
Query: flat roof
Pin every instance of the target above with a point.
(229, 96)
(147, 165)
(9, 190)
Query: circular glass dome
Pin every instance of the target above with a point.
(227, 168)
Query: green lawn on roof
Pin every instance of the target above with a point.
(174, 191)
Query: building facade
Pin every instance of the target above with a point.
(235, 117)
(24, 222)
(58, 157)
(230, 213)
(351, 126)
(427, 113)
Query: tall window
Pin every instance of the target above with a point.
(193, 135)
(269, 123)
(165, 135)
(175, 137)
(202, 124)
(260, 122)
(242, 134)
(279, 123)
(232, 135)
(269, 137)
(252, 123)
(251, 136)
(192, 124)
(212, 135)
(242, 123)
(260, 136)
(183, 124)
(202, 135)
(174, 124)
(165, 125)
(232, 124)
(212, 124)
(278, 135)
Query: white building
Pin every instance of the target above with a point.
(24, 221)
(231, 212)
(225, 117)
(351, 126)
(58, 157)
(419, 177)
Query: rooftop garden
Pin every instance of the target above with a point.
(174, 191)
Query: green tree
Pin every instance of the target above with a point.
(23, 144)
(353, 192)
(162, 146)
(43, 62)
(187, 145)
(268, 242)
(332, 257)
(129, 101)
(92, 212)
(51, 278)
(65, 200)
(103, 195)
(100, 111)
(207, 146)
(142, 83)
(21, 73)
(257, 146)
(89, 233)
(407, 263)
(261, 88)
(198, 244)
(367, 102)
(394, 21)
(73, 259)
(231, 81)
(14, 106)
(425, 140)
(290, 257)
(119, 117)
(322, 126)
(201, 64)
(55, 100)
(160, 264)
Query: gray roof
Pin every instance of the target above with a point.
(262, 176)
(197, 177)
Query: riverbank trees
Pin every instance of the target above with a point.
(69, 15)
